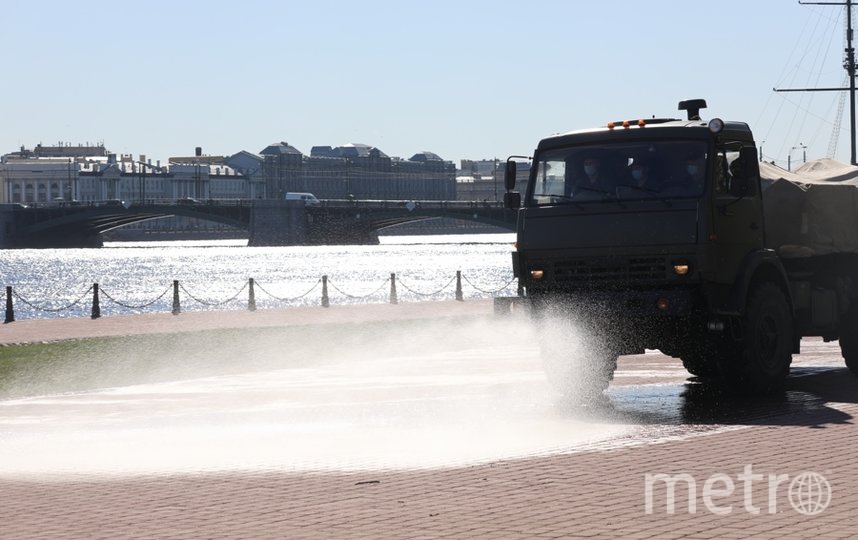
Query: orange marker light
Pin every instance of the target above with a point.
(626, 124)
(641, 123)
(611, 125)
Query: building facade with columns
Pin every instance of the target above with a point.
(91, 173)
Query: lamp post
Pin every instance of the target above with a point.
(789, 156)
(69, 189)
(495, 177)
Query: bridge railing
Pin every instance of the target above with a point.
(127, 203)
(337, 203)
(249, 295)
(409, 204)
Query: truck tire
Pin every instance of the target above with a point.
(849, 340)
(700, 365)
(765, 349)
(702, 352)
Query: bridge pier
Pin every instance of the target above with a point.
(339, 229)
(277, 223)
(287, 223)
(7, 224)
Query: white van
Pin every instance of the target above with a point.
(308, 198)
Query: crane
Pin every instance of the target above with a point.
(835, 131)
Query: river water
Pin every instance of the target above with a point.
(137, 277)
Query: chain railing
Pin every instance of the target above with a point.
(135, 306)
(36, 307)
(251, 286)
(359, 296)
(469, 282)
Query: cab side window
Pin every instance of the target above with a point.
(726, 166)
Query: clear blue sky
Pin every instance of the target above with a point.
(464, 79)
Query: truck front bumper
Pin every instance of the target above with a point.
(643, 303)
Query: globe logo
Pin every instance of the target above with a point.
(809, 493)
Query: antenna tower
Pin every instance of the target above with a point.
(848, 65)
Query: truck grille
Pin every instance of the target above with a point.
(613, 271)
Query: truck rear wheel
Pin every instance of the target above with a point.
(766, 344)
(849, 340)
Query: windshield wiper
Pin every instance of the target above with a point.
(594, 190)
(664, 200)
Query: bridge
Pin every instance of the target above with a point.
(268, 222)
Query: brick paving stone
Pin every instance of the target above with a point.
(597, 493)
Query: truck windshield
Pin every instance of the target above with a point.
(661, 169)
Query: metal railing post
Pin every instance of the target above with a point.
(96, 305)
(325, 301)
(10, 311)
(251, 297)
(176, 307)
(459, 286)
(393, 298)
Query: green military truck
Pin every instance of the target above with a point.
(660, 233)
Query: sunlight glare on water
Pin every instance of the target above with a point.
(215, 273)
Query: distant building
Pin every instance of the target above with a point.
(360, 171)
(282, 168)
(251, 167)
(482, 180)
(40, 176)
(91, 173)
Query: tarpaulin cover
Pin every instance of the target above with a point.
(811, 211)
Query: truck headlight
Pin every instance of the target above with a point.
(681, 269)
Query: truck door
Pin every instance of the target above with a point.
(737, 219)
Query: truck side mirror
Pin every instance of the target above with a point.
(509, 175)
(512, 200)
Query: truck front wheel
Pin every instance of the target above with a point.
(700, 365)
(849, 340)
(766, 343)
